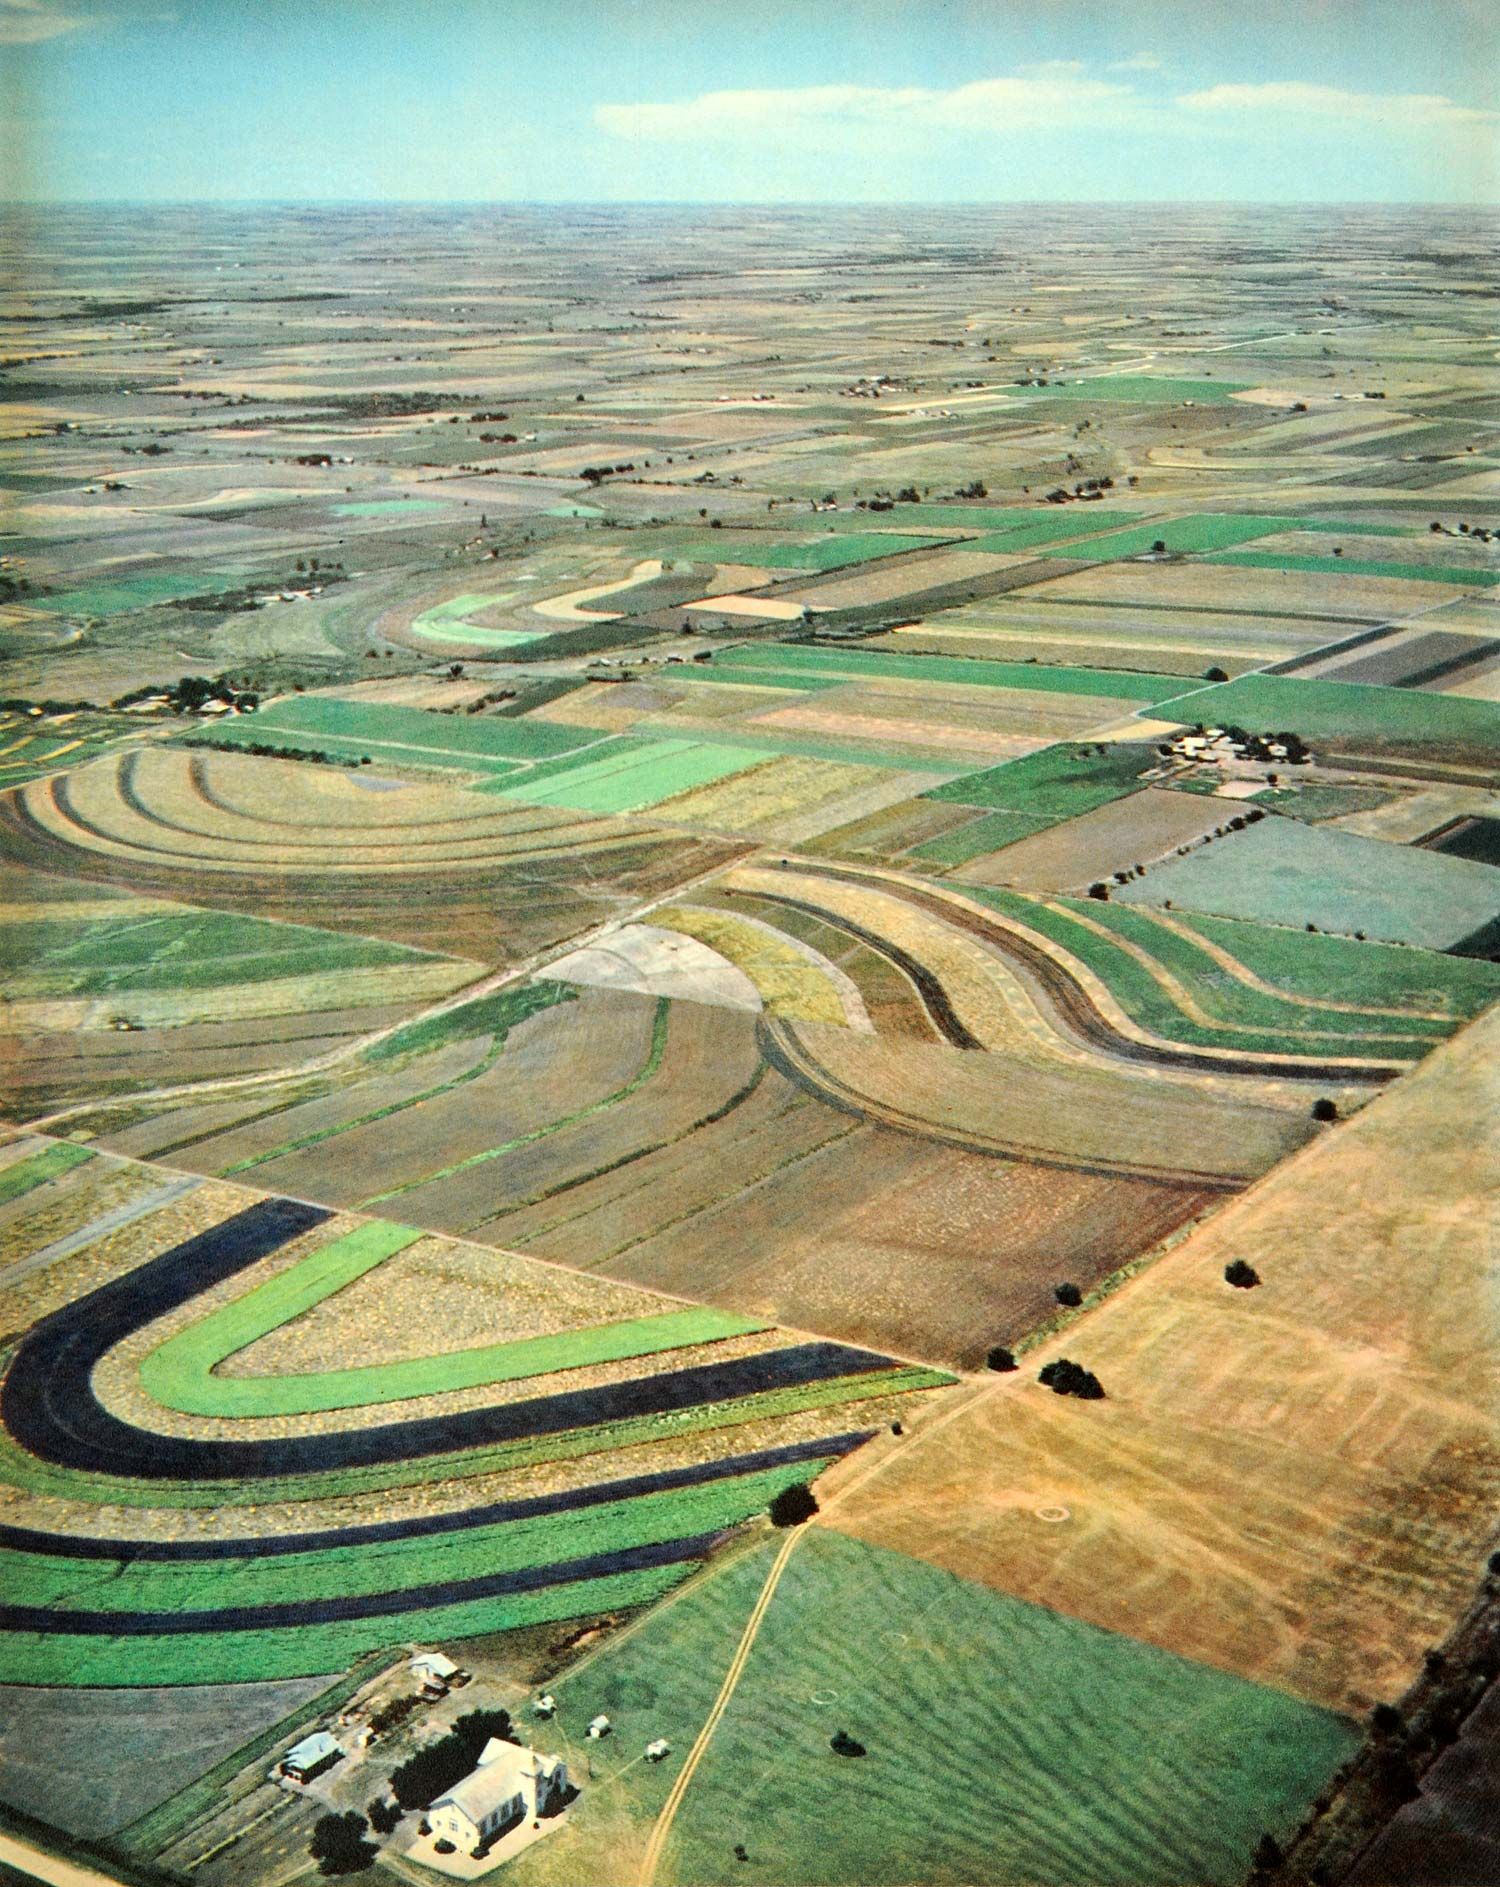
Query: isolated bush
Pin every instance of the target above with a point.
(1099, 891)
(1066, 1378)
(843, 1744)
(1242, 1276)
(793, 1505)
(1000, 1359)
(1324, 1109)
(1068, 1295)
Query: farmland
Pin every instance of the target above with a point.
(1325, 1595)
(611, 909)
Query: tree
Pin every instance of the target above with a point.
(843, 1744)
(1099, 891)
(1386, 1720)
(1324, 1109)
(384, 1814)
(1066, 1378)
(793, 1505)
(435, 1769)
(1159, 547)
(1242, 1276)
(1000, 1359)
(1068, 1295)
(338, 1844)
(1268, 1855)
(1215, 674)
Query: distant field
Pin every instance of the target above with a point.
(1057, 783)
(796, 659)
(1361, 567)
(113, 598)
(383, 507)
(1210, 530)
(1349, 710)
(449, 623)
(839, 546)
(1125, 831)
(1135, 389)
(487, 736)
(1284, 872)
(635, 774)
(1045, 1764)
(30, 747)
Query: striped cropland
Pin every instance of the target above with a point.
(658, 1430)
(427, 865)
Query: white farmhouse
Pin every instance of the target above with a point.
(510, 1785)
(431, 1668)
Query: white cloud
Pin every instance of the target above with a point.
(1293, 103)
(1041, 99)
(29, 22)
(1137, 62)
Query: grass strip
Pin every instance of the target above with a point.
(51, 1163)
(100, 1587)
(238, 1657)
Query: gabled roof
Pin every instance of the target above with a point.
(504, 1771)
(312, 1749)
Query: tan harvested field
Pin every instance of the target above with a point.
(793, 979)
(927, 741)
(658, 960)
(1296, 1483)
(1135, 830)
(885, 834)
(787, 800)
(1075, 1112)
(1414, 815)
(857, 1232)
(1247, 589)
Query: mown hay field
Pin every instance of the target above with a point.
(1071, 1755)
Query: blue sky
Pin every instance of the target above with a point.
(764, 101)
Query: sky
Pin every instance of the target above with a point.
(764, 101)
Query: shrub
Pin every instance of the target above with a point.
(1324, 1109)
(843, 1744)
(1068, 1295)
(1242, 1276)
(1100, 891)
(1000, 1359)
(1065, 1378)
(793, 1505)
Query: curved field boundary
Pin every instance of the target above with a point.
(1077, 1011)
(940, 1010)
(791, 1056)
(427, 1526)
(37, 1476)
(49, 1407)
(371, 1577)
(509, 1008)
(230, 1657)
(179, 1373)
(647, 1072)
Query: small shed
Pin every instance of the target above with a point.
(310, 1757)
(431, 1668)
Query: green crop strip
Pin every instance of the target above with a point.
(125, 1585)
(19, 1469)
(237, 1657)
(637, 1081)
(1255, 1021)
(51, 1163)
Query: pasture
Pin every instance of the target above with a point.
(1282, 871)
(1069, 1754)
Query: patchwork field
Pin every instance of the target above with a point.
(1294, 1483)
